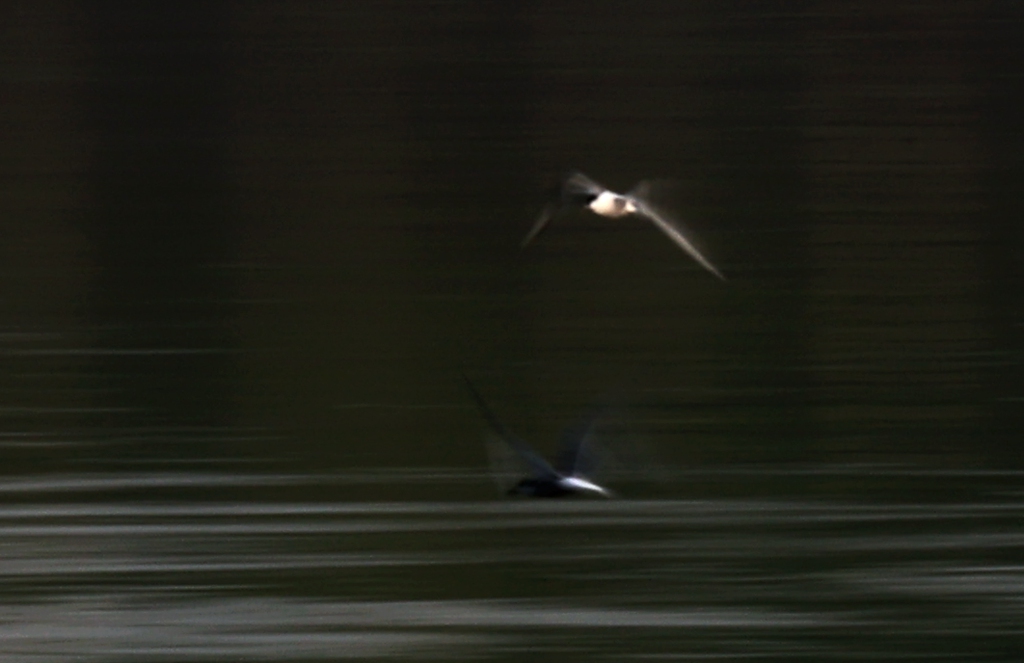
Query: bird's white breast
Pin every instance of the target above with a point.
(580, 485)
(612, 204)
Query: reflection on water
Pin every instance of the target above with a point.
(224, 578)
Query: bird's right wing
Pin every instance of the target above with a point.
(674, 233)
(537, 464)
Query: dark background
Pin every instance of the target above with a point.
(303, 219)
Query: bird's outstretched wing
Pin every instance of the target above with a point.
(507, 467)
(542, 221)
(578, 455)
(576, 189)
(540, 467)
(645, 209)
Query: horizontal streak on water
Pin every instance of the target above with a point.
(149, 566)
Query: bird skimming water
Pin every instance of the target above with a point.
(578, 190)
(575, 460)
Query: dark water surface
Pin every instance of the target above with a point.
(113, 568)
(247, 249)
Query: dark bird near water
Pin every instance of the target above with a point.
(575, 460)
(578, 190)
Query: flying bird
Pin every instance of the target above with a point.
(546, 480)
(578, 190)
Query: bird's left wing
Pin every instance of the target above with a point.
(542, 221)
(576, 185)
(540, 467)
(576, 189)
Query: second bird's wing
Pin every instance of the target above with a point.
(540, 467)
(578, 455)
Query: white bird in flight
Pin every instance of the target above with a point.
(578, 190)
(577, 459)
